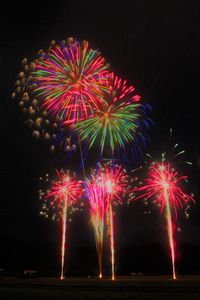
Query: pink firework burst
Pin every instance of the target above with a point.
(71, 78)
(64, 193)
(163, 177)
(163, 186)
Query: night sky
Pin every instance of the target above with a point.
(155, 45)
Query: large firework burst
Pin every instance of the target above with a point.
(70, 79)
(118, 123)
(60, 87)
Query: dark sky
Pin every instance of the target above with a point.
(155, 45)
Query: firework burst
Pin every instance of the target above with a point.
(60, 87)
(63, 196)
(163, 186)
(105, 189)
(70, 79)
(119, 121)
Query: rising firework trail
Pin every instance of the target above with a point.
(63, 195)
(110, 222)
(96, 196)
(162, 185)
(106, 189)
(115, 180)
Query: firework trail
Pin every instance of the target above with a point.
(121, 119)
(63, 195)
(115, 179)
(110, 222)
(96, 195)
(163, 186)
(106, 189)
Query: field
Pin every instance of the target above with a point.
(135, 287)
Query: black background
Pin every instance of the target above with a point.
(155, 45)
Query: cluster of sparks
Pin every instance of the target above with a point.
(162, 186)
(69, 91)
(43, 126)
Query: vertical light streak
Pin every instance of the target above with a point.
(98, 225)
(169, 221)
(96, 197)
(63, 243)
(110, 228)
(112, 242)
(100, 246)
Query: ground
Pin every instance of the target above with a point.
(135, 287)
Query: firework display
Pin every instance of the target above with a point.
(62, 198)
(163, 187)
(71, 97)
(106, 188)
(120, 121)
